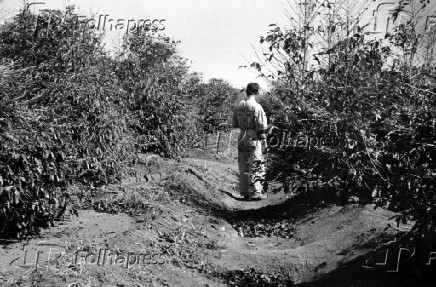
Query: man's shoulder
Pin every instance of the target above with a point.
(239, 105)
(257, 106)
(251, 105)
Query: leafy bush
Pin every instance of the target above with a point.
(217, 97)
(359, 129)
(61, 122)
(71, 114)
(151, 73)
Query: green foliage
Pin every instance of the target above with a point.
(60, 119)
(362, 130)
(151, 73)
(215, 100)
(32, 180)
(71, 114)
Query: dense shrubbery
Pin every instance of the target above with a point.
(63, 123)
(70, 113)
(217, 100)
(151, 73)
(377, 123)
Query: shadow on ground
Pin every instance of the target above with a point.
(358, 273)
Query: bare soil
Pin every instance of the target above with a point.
(189, 215)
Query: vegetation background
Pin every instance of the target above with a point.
(70, 114)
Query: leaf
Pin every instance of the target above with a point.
(74, 211)
(17, 197)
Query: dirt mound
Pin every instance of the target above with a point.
(191, 228)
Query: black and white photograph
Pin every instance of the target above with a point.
(202, 143)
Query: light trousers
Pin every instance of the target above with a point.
(251, 163)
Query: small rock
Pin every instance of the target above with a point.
(241, 233)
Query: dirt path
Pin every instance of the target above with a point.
(190, 215)
(230, 198)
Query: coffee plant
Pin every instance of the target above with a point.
(70, 113)
(362, 128)
(151, 73)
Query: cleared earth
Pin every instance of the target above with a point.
(182, 223)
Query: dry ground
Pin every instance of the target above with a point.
(189, 214)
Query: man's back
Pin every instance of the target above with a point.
(249, 115)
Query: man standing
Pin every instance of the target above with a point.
(250, 117)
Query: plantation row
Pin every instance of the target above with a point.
(69, 113)
(381, 99)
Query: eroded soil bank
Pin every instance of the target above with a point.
(183, 224)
